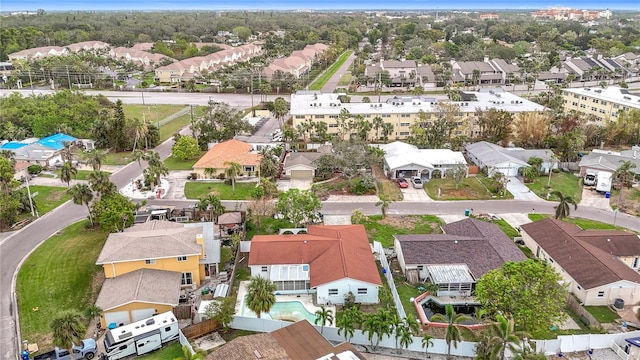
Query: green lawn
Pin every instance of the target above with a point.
(152, 113)
(584, 224)
(57, 276)
(406, 291)
(170, 352)
(566, 183)
(269, 226)
(118, 158)
(345, 80)
(382, 230)
(176, 164)
(325, 76)
(172, 127)
(602, 313)
(506, 228)
(471, 188)
(81, 175)
(195, 189)
(49, 197)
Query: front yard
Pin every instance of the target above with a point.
(382, 230)
(567, 183)
(196, 189)
(173, 163)
(60, 274)
(49, 197)
(584, 224)
(471, 188)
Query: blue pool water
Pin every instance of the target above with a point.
(287, 311)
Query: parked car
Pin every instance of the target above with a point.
(402, 183)
(417, 182)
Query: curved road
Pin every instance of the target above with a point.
(17, 247)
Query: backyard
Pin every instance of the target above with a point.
(196, 189)
(603, 314)
(60, 274)
(567, 183)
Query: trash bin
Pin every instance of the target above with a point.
(607, 195)
(112, 326)
(467, 212)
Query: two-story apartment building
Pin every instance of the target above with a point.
(146, 266)
(602, 105)
(331, 261)
(402, 112)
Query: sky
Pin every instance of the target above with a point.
(84, 5)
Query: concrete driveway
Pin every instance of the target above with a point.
(415, 195)
(519, 190)
(300, 184)
(591, 198)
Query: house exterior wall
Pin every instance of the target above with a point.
(287, 171)
(603, 110)
(365, 293)
(631, 261)
(191, 265)
(506, 168)
(400, 256)
(160, 308)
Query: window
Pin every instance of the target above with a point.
(333, 116)
(247, 169)
(635, 262)
(167, 329)
(333, 292)
(420, 267)
(182, 258)
(362, 291)
(150, 261)
(319, 116)
(386, 115)
(405, 124)
(299, 116)
(333, 125)
(600, 293)
(404, 133)
(264, 269)
(187, 278)
(596, 101)
(405, 115)
(579, 288)
(604, 102)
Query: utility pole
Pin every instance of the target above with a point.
(68, 77)
(379, 84)
(31, 82)
(29, 194)
(251, 89)
(142, 93)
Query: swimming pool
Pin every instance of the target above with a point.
(285, 310)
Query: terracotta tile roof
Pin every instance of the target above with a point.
(480, 245)
(576, 252)
(20, 165)
(150, 244)
(144, 285)
(332, 252)
(232, 151)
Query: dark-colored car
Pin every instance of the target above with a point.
(402, 183)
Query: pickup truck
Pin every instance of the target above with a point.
(86, 349)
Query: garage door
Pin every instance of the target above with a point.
(117, 317)
(301, 174)
(142, 314)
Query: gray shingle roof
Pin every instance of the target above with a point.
(144, 285)
(610, 162)
(491, 154)
(301, 158)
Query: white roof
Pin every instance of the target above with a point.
(612, 93)
(401, 154)
(315, 103)
(450, 274)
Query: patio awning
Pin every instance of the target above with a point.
(450, 274)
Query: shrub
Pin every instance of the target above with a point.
(34, 169)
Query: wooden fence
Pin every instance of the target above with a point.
(183, 311)
(582, 313)
(200, 329)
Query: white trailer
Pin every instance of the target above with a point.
(604, 182)
(141, 337)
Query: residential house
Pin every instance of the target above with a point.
(298, 63)
(57, 141)
(456, 259)
(425, 76)
(404, 160)
(144, 58)
(493, 158)
(476, 72)
(36, 153)
(298, 341)
(401, 73)
(602, 105)
(230, 151)
(598, 266)
(21, 170)
(489, 16)
(609, 161)
(87, 46)
(39, 52)
(300, 165)
(333, 262)
(509, 71)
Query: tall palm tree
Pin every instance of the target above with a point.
(260, 295)
(505, 336)
(81, 194)
(453, 320)
(427, 342)
(624, 177)
(68, 327)
(67, 173)
(406, 337)
(562, 210)
(67, 152)
(384, 204)
(377, 325)
(323, 316)
(138, 155)
(233, 171)
(377, 125)
(95, 158)
(346, 323)
(100, 183)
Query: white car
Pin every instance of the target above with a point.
(417, 182)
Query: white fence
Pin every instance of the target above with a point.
(377, 247)
(359, 338)
(573, 343)
(184, 342)
(245, 246)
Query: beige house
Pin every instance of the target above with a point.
(597, 266)
(39, 52)
(213, 162)
(603, 105)
(298, 63)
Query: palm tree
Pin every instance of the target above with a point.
(233, 171)
(68, 327)
(427, 342)
(396, 324)
(323, 316)
(376, 326)
(82, 194)
(453, 328)
(9, 155)
(67, 173)
(93, 311)
(95, 158)
(624, 177)
(138, 155)
(100, 183)
(260, 297)
(347, 322)
(505, 336)
(562, 210)
(188, 355)
(384, 204)
(377, 125)
(406, 337)
(67, 152)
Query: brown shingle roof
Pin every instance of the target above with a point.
(588, 265)
(480, 245)
(232, 151)
(332, 252)
(151, 244)
(144, 285)
(248, 347)
(301, 158)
